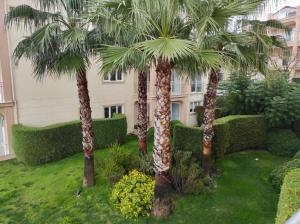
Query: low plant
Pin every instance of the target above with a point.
(118, 163)
(186, 175)
(297, 155)
(283, 142)
(133, 195)
(278, 174)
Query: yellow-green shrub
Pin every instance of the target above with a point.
(133, 194)
(289, 201)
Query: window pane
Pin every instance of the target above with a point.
(113, 110)
(106, 112)
(119, 75)
(193, 87)
(113, 76)
(119, 109)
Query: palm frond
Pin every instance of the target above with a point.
(27, 16)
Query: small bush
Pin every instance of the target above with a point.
(283, 142)
(133, 195)
(118, 162)
(289, 201)
(145, 164)
(280, 172)
(35, 146)
(186, 174)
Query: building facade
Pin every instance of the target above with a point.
(23, 100)
(288, 60)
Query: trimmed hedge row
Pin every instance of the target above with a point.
(35, 146)
(232, 134)
(289, 201)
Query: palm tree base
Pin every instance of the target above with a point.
(162, 202)
(88, 178)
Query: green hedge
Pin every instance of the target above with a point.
(232, 134)
(289, 201)
(283, 142)
(278, 174)
(35, 146)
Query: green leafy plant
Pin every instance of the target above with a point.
(186, 175)
(119, 162)
(283, 142)
(133, 195)
(278, 174)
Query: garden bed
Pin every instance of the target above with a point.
(47, 194)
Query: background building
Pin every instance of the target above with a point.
(288, 60)
(25, 101)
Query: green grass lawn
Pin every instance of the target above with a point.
(47, 194)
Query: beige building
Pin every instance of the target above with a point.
(290, 60)
(23, 100)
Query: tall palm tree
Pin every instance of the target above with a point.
(167, 43)
(124, 35)
(242, 50)
(60, 44)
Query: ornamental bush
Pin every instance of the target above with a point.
(283, 142)
(35, 146)
(289, 200)
(280, 172)
(133, 195)
(186, 174)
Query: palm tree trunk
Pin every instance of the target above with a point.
(209, 116)
(87, 130)
(142, 112)
(162, 203)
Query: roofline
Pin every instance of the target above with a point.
(284, 8)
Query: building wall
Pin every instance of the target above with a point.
(40, 103)
(290, 17)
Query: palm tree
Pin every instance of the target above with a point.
(125, 35)
(164, 40)
(240, 50)
(61, 44)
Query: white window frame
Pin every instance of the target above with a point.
(108, 77)
(109, 110)
(197, 82)
(175, 83)
(193, 105)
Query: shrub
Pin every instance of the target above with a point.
(289, 201)
(232, 134)
(118, 162)
(296, 126)
(145, 164)
(150, 134)
(186, 174)
(283, 142)
(297, 155)
(35, 146)
(279, 173)
(133, 195)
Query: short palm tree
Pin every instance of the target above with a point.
(60, 44)
(164, 39)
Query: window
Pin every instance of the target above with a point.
(194, 105)
(114, 76)
(175, 84)
(196, 84)
(111, 110)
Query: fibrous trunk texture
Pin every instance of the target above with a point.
(87, 130)
(162, 204)
(208, 119)
(142, 112)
